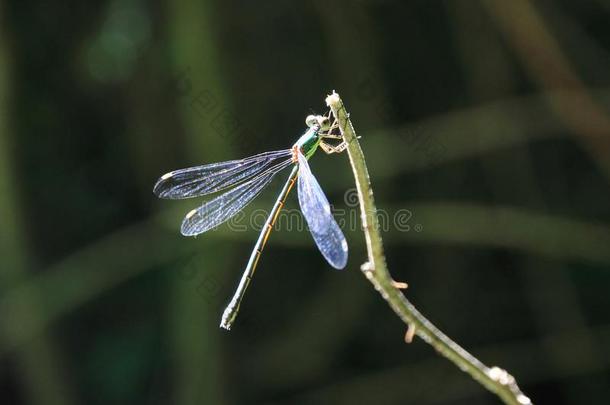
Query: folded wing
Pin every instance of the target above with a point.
(316, 210)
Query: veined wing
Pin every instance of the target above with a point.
(221, 208)
(201, 180)
(316, 210)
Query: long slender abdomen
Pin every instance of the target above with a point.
(232, 309)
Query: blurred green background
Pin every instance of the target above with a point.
(486, 129)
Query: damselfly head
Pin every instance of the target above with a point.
(319, 120)
(311, 120)
(324, 123)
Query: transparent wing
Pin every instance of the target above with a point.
(316, 210)
(201, 180)
(221, 208)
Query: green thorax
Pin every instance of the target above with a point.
(309, 141)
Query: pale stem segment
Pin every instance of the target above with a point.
(494, 379)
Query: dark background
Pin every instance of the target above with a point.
(486, 131)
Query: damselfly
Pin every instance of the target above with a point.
(242, 180)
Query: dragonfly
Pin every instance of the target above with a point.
(240, 181)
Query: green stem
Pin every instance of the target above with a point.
(494, 379)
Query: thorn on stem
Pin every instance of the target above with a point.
(410, 333)
(366, 267)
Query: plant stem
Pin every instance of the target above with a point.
(494, 379)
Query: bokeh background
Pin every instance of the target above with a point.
(485, 125)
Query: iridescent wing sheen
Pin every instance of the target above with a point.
(316, 210)
(221, 208)
(202, 180)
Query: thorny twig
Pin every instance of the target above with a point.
(494, 379)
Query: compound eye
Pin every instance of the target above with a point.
(324, 123)
(311, 120)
